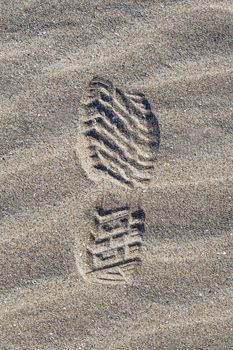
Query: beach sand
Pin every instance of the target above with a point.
(179, 54)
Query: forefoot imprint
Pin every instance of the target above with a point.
(122, 132)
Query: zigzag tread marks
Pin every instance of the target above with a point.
(104, 137)
(123, 131)
(113, 253)
(121, 138)
(128, 172)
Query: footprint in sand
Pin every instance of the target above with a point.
(121, 134)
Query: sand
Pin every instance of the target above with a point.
(179, 295)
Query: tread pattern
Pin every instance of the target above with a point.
(123, 133)
(115, 245)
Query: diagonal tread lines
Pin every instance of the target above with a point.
(123, 132)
